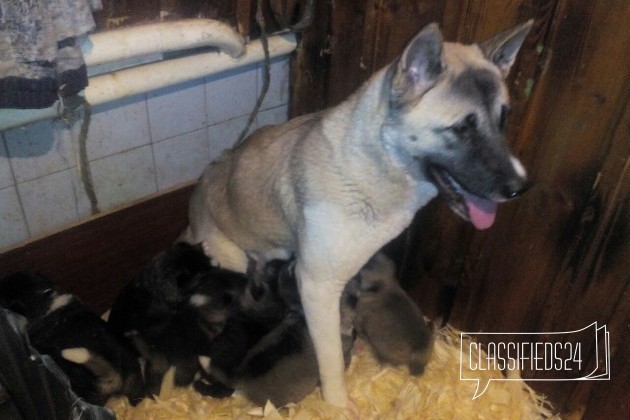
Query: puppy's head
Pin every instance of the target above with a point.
(378, 275)
(261, 297)
(176, 271)
(216, 295)
(448, 112)
(31, 295)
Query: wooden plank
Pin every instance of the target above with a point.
(347, 69)
(310, 65)
(549, 249)
(95, 259)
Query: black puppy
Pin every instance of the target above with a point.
(173, 309)
(259, 310)
(278, 362)
(98, 363)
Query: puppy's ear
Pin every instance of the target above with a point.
(252, 265)
(503, 48)
(418, 68)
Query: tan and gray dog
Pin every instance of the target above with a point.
(335, 186)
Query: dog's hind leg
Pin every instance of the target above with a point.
(219, 248)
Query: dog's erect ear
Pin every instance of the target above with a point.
(419, 67)
(503, 48)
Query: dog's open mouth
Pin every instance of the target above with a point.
(479, 211)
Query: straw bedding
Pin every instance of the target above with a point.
(379, 392)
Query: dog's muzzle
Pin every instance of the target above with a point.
(480, 211)
(515, 188)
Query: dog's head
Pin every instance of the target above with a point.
(448, 107)
(261, 297)
(31, 295)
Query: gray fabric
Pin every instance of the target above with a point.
(39, 54)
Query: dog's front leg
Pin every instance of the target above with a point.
(325, 263)
(320, 300)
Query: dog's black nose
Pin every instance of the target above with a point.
(514, 189)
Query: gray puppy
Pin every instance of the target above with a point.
(389, 321)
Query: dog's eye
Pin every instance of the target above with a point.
(505, 111)
(467, 125)
(471, 120)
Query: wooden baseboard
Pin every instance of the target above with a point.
(95, 259)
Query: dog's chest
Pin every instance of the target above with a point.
(388, 204)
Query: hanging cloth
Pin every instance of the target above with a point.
(40, 57)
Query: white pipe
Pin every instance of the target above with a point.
(123, 83)
(121, 44)
(141, 79)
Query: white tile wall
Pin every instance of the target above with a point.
(273, 116)
(136, 147)
(278, 92)
(39, 149)
(118, 126)
(124, 177)
(6, 175)
(12, 224)
(182, 158)
(233, 96)
(49, 202)
(189, 100)
(223, 135)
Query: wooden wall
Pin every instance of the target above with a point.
(556, 259)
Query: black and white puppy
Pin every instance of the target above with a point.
(388, 320)
(173, 309)
(279, 365)
(99, 363)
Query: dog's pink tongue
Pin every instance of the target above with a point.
(481, 211)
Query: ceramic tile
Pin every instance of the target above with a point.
(273, 116)
(124, 177)
(177, 110)
(6, 175)
(40, 149)
(278, 92)
(223, 136)
(180, 159)
(12, 224)
(231, 94)
(50, 202)
(118, 126)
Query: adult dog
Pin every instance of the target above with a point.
(333, 187)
